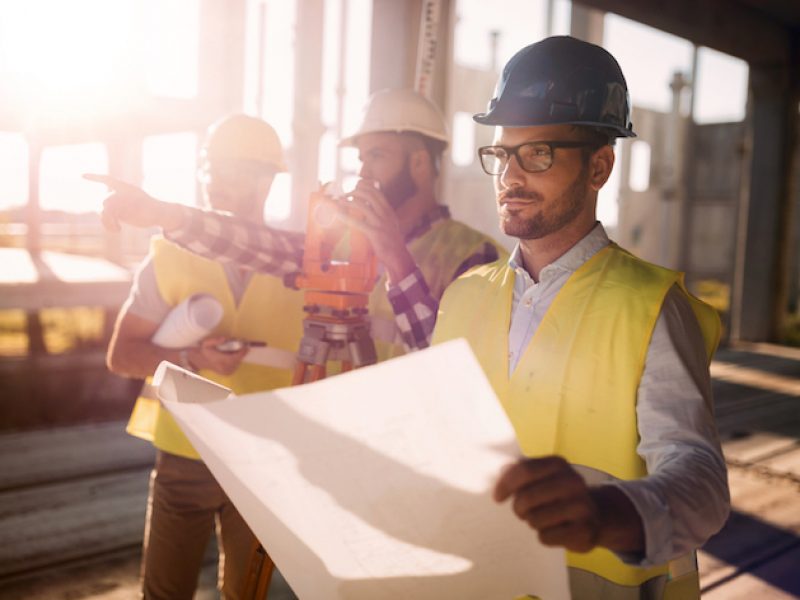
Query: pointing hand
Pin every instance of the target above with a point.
(131, 205)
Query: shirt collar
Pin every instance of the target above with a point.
(572, 259)
(437, 213)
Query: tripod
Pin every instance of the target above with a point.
(336, 295)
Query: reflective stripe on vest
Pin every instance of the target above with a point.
(267, 311)
(271, 357)
(573, 392)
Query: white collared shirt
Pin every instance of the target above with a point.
(684, 499)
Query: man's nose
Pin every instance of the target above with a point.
(512, 175)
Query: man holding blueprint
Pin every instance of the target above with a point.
(205, 316)
(599, 358)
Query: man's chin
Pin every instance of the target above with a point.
(519, 229)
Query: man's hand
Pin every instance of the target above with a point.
(374, 216)
(131, 205)
(554, 500)
(206, 356)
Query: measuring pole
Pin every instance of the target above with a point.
(426, 50)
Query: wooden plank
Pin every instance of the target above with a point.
(785, 463)
(774, 579)
(62, 522)
(36, 457)
(755, 378)
(761, 529)
(59, 279)
(757, 446)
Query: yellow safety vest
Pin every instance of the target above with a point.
(438, 252)
(574, 390)
(267, 311)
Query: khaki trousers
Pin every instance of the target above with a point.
(184, 504)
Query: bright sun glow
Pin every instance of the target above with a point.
(60, 183)
(99, 50)
(64, 44)
(68, 65)
(13, 170)
(169, 165)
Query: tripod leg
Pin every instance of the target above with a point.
(264, 575)
(299, 376)
(259, 573)
(317, 372)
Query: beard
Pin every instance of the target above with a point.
(400, 187)
(565, 209)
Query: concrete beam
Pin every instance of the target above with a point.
(726, 26)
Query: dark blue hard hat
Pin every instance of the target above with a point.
(561, 81)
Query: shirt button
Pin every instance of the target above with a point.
(528, 302)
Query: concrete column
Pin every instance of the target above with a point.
(674, 200)
(587, 24)
(758, 301)
(221, 56)
(124, 162)
(395, 28)
(395, 44)
(33, 212)
(307, 124)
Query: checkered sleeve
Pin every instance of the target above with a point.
(414, 305)
(414, 309)
(229, 239)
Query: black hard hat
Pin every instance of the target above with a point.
(561, 81)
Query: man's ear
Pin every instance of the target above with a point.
(600, 164)
(419, 163)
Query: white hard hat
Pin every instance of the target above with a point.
(241, 137)
(398, 110)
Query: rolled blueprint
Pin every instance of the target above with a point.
(189, 322)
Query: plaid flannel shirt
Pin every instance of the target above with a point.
(227, 238)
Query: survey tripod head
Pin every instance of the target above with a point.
(336, 293)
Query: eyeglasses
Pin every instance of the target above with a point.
(533, 157)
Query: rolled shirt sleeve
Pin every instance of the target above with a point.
(144, 299)
(684, 499)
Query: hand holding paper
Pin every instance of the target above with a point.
(376, 483)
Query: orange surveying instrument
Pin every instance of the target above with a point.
(336, 294)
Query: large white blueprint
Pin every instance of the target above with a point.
(376, 483)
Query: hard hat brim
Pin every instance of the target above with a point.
(352, 140)
(493, 119)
